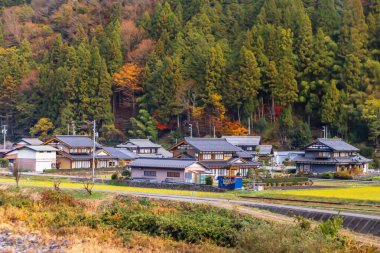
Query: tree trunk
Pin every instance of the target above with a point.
(273, 111)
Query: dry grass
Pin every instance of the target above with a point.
(21, 221)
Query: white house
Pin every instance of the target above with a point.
(33, 158)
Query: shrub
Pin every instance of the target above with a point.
(343, 175)
(326, 175)
(126, 173)
(4, 163)
(331, 227)
(52, 197)
(115, 176)
(209, 180)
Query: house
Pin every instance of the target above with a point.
(282, 156)
(28, 141)
(246, 143)
(251, 145)
(124, 156)
(32, 158)
(330, 155)
(169, 169)
(76, 152)
(145, 148)
(216, 154)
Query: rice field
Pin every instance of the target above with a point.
(368, 194)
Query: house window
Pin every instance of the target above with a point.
(111, 164)
(228, 155)
(145, 151)
(219, 156)
(206, 156)
(149, 173)
(173, 174)
(249, 148)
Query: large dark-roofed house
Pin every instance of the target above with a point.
(76, 152)
(330, 155)
(217, 154)
(169, 169)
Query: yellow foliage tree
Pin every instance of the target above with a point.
(126, 81)
(42, 129)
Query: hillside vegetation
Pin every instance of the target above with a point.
(283, 67)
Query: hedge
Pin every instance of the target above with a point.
(285, 180)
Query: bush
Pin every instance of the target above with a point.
(4, 163)
(326, 175)
(209, 180)
(343, 175)
(126, 173)
(115, 176)
(331, 227)
(53, 198)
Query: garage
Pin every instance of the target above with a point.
(42, 165)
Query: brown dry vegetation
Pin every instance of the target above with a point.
(126, 224)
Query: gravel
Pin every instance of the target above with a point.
(29, 243)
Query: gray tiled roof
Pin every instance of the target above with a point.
(244, 154)
(164, 153)
(337, 144)
(350, 159)
(84, 156)
(116, 152)
(170, 163)
(77, 140)
(265, 149)
(141, 143)
(40, 148)
(32, 141)
(212, 145)
(243, 140)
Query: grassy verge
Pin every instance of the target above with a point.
(106, 187)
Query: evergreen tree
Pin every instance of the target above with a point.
(329, 104)
(248, 76)
(354, 30)
(327, 17)
(143, 126)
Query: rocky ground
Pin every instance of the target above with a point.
(29, 243)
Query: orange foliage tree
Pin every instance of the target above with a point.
(126, 81)
(234, 128)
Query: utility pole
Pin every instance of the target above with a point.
(73, 126)
(249, 125)
(214, 133)
(191, 130)
(324, 130)
(4, 132)
(93, 153)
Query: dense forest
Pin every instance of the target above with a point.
(279, 68)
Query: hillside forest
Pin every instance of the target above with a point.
(282, 69)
